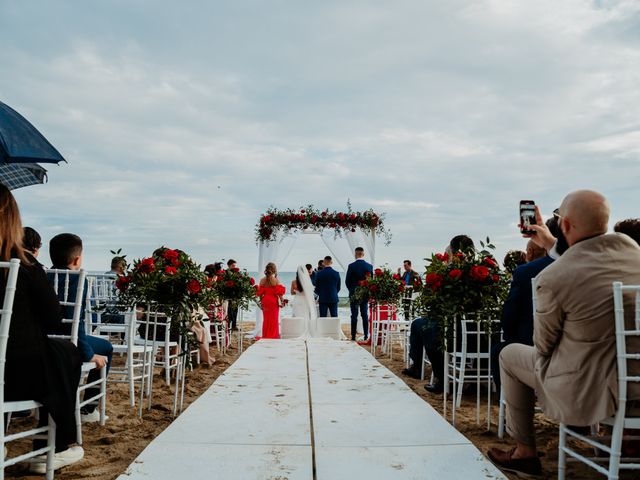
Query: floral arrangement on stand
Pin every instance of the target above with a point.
(171, 280)
(463, 284)
(309, 218)
(235, 286)
(383, 287)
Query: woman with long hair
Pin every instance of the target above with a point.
(270, 291)
(37, 367)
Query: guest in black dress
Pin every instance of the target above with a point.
(37, 367)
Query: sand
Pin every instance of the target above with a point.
(109, 450)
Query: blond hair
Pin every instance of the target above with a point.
(11, 231)
(270, 271)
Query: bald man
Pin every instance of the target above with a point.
(572, 365)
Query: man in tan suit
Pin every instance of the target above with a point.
(572, 365)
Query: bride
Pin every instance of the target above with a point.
(304, 302)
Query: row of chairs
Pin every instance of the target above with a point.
(464, 366)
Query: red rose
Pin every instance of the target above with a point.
(301, 211)
(170, 270)
(235, 270)
(252, 281)
(396, 276)
(479, 273)
(401, 288)
(489, 261)
(193, 286)
(377, 272)
(455, 274)
(443, 257)
(170, 255)
(219, 273)
(434, 280)
(495, 278)
(363, 283)
(230, 284)
(122, 283)
(373, 287)
(459, 255)
(147, 265)
(314, 219)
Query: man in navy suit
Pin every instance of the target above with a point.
(517, 313)
(357, 272)
(327, 288)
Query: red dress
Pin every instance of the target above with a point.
(270, 309)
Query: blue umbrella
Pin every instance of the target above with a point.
(20, 142)
(16, 175)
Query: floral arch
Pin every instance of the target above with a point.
(341, 231)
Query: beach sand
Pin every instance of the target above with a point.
(109, 450)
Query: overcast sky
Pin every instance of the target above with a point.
(182, 122)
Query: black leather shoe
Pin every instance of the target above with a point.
(411, 372)
(434, 387)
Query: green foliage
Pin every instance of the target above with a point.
(382, 288)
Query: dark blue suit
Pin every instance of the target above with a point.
(357, 272)
(327, 288)
(517, 312)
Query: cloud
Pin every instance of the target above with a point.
(182, 128)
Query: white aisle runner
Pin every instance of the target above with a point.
(255, 423)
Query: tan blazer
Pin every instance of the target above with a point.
(574, 329)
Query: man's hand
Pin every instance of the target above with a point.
(99, 360)
(543, 237)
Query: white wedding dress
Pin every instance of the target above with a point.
(304, 303)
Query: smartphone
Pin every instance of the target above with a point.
(527, 216)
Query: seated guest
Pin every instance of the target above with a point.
(32, 242)
(118, 266)
(513, 259)
(312, 273)
(425, 333)
(38, 368)
(65, 251)
(630, 226)
(572, 365)
(517, 313)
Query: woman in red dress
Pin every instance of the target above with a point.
(270, 292)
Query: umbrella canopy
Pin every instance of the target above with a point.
(20, 142)
(16, 175)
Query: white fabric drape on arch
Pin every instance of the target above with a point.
(342, 251)
(277, 252)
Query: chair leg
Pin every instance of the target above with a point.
(562, 456)
(167, 365)
(103, 398)
(501, 413)
(131, 378)
(78, 419)
(460, 382)
(616, 447)
(51, 445)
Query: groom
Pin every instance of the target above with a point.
(358, 271)
(327, 288)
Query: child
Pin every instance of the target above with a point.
(65, 251)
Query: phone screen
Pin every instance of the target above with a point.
(527, 216)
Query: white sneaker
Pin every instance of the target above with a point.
(92, 417)
(61, 459)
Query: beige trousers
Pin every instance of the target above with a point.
(517, 364)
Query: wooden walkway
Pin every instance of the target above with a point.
(314, 410)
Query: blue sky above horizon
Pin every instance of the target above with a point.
(183, 122)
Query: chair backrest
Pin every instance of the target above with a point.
(103, 288)
(13, 266)
(626, 350)
(328, 327)
(292, 327)
(473, 332)
(63, 282)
